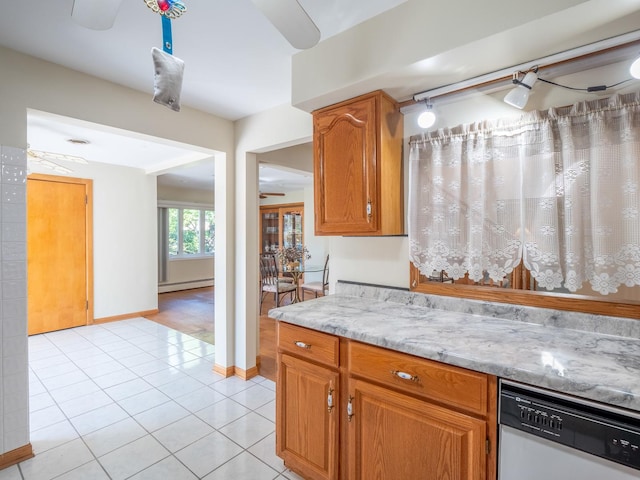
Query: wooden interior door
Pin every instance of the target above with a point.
(58, 253)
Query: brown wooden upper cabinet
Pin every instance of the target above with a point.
(358, 179)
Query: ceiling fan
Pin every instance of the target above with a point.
(288, 16)
(272, 194)
(49, 159)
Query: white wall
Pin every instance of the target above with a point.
(31, 83)
(124, 233)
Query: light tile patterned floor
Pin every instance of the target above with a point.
(138, 400)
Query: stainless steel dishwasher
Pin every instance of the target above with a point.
(549, 436)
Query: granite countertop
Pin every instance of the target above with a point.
(599, 366)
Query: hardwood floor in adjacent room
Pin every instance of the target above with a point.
(192, 312)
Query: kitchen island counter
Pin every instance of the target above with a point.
(592, 357)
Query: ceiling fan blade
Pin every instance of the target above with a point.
(95, 14)
(291, 20)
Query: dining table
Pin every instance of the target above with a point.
(296, 272)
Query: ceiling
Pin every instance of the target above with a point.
(236, 64)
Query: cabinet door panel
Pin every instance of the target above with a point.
(345, 168)
(395, 436)
(306, 431)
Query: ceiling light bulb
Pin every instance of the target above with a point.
(427, 119)
(519, 96)
(635, 68)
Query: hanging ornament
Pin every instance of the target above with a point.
(168, 68)
(168, 8)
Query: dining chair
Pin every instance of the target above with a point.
(318, 287)
(270, 281)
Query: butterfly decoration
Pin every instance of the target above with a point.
(171, 9)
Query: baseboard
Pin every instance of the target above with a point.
(125, 316)
(175, 287)
(227, 372)
(247, 374)
(16, 456)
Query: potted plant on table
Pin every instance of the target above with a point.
(292, 257)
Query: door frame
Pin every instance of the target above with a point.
(88, 189)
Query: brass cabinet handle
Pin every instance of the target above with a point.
(405, 376)
(369, 210)
(330, 400)
(306, 346)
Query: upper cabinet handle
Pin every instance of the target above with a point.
(302, 345)
(405, 376)
(368, 210)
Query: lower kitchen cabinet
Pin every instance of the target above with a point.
(307, 402)
(348, 410)
(395, 436)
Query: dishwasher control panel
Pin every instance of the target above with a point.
(597, 431)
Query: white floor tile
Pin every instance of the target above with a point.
(64, 380)
(289, 475)
(221, 413)
(45, 417)
(89, 471)
(208, 453)
(161, 416)
(98, 418)
(268, 411)
(133, 457)
(243, 466)
(128, 389)
(169, 468)
(70, 392)
(166, 375)
(149, 367)
(182, 433)
(102, 368)
(248, 430)
(265, 450)
(52, 436)
(199, 399)
(231, 386)
(115, 378)
(115, 390)
(180, 387)
(143, 401)
(40, 401)
(55, 370)
(114, 436)
(10, 473)
(137, 359)
(85, 403)
(56, 461)
(254, 396)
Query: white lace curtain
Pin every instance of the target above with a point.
(557, 189)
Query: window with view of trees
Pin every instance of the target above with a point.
(191, 232)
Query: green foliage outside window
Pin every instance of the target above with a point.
(190, 231)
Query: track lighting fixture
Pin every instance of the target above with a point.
(519, 96)
(635, 68)
(427, 118)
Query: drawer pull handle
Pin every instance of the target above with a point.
(350, 408)
(405, 376)
(330, 400)
(302, 345)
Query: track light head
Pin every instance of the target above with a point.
(519, 96)
(428, 117)
(635, 68)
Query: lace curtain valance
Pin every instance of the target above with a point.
(556, 189)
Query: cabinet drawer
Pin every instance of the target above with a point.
(453, 386)
(310, 344)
